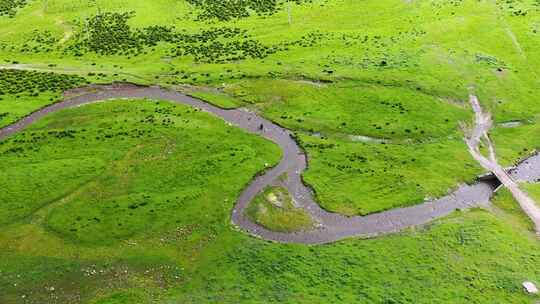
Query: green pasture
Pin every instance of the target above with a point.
(130, 201)
(400, 72)
(135, 208)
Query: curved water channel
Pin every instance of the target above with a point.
(331, 227)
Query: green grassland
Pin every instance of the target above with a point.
(110, 176)
(508, 208)
(370, 148)
(534, 190)
(401, 72)
(83, 178)
(121, 226)
(397, 72)
(130, 201)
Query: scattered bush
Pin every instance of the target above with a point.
(110, 34)
(9, 7)
(32, 83)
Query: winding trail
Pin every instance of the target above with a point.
(332, 227)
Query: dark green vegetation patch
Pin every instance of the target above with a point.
(110, 34)
(32, 83)
(225, 10)
(9, 7)
(22, 92)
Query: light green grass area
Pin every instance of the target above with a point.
(459, 259)
(275, 210)
(511, 210)
(216, 98)
(517, 142)
(349, 108)
(385, 69)
(533, 190)
(175, 242)
(372, 147)
(108, 176)
(365, 177)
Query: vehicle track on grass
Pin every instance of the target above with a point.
(331, 227)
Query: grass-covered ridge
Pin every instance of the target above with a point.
(109, 33)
